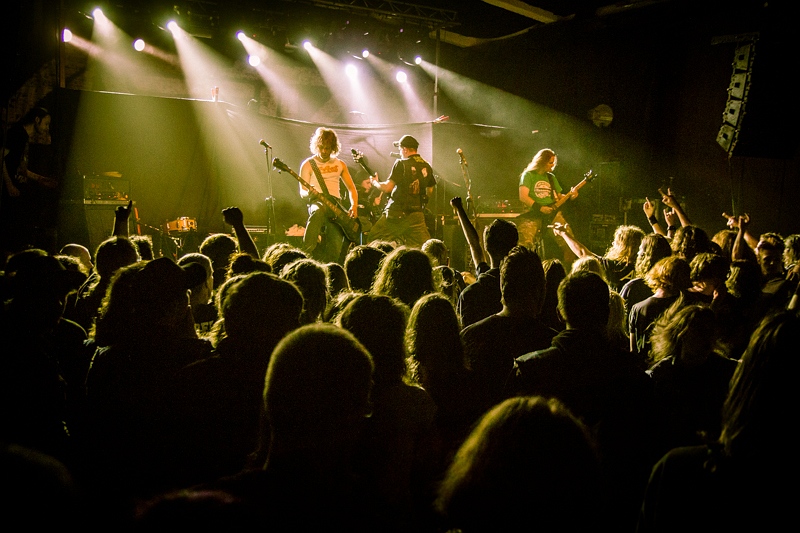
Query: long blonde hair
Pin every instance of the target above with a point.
(541, 158)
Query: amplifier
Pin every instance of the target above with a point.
(105, 202)
(497, 215)
(104, 189)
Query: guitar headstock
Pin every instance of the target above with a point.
(357, 155)
(280, 165)
(590, 175)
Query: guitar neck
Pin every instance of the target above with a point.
(566, 197)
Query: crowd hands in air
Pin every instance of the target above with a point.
(641, 390)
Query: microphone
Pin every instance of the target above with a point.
(461, 155)
(264, 143)
(396, 155)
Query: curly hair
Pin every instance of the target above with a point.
(325, 137)
(654, 247)
(689, 241)
(625, 245)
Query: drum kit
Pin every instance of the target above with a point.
(176, 237)
(183, 232)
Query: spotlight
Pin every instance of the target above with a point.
(240, 35)
(307, 45)
(365, 54)
(138, 45)
(66, 36)
(417, 60)
(351, 71)
(172, 26)
(401, 76)
(254, 60)
(97, 13)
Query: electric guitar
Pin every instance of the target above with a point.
(351, 227)
(374, 209)
(588, 177)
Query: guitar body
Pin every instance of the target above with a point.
(351, 227)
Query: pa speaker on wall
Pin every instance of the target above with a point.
(758, 120)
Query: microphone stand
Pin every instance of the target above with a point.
(271, 221)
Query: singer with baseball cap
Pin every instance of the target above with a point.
(410, 184)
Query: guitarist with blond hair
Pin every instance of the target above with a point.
(540, 191)
(324, 238)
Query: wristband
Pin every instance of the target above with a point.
(653, 220)
(672, 228)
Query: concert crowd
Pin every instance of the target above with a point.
(646, 389)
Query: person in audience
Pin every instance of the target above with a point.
(280, 254)
(654, 247)
(492, 344)
(111, 255)
(528, 464)
(398, 454)
(483, 298)
(144, 335)
(690, 373)
(600, 384)
(405, 274)
(316, 402)
(310, 278)
(436, 361)
(336, 279)
(668, 279)
(689, 241)
(204, 311)
(43, 362)
(220, 395)
(362, 264)
(219, 247)
(620, 259)
(737, 483)
(554, 272)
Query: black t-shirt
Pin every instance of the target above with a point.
(411, 177)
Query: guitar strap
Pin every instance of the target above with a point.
(320, 179)
(552, 186)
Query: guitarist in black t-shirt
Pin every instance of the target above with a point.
(410, 183)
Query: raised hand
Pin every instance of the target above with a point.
(732, 221)
(671, 217)
(668, 199)
(649, 208)
(123, 213)
(232, 216)
(455, 202)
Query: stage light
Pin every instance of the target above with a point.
(254, 60)
(307, 45)
(240, 35)
(417, 60)
(365, 54)
(138, 45)
(401, 76)
(66, 35)
(98, 13)
(172, 26)
(351, 71)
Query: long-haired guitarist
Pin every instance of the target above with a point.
(539, 190)
(323, 238)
